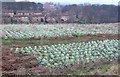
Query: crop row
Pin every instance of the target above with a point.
(38, 31)
(72, 53)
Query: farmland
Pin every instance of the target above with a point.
(42, 31)
(58, 48)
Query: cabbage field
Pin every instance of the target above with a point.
(76, 45)
(38, 31)
(65, 54)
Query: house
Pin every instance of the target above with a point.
(37, 16)
(21, 16)
(24, 12)
(28, 16)
(7, 12)
(7, 15)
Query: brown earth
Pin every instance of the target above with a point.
(100, 36)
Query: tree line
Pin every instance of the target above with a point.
(88, 13)
(22, 6)
(94, 13)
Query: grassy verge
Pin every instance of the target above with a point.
(26, 42)
(50, 41)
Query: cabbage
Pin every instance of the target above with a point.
(71, 53)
